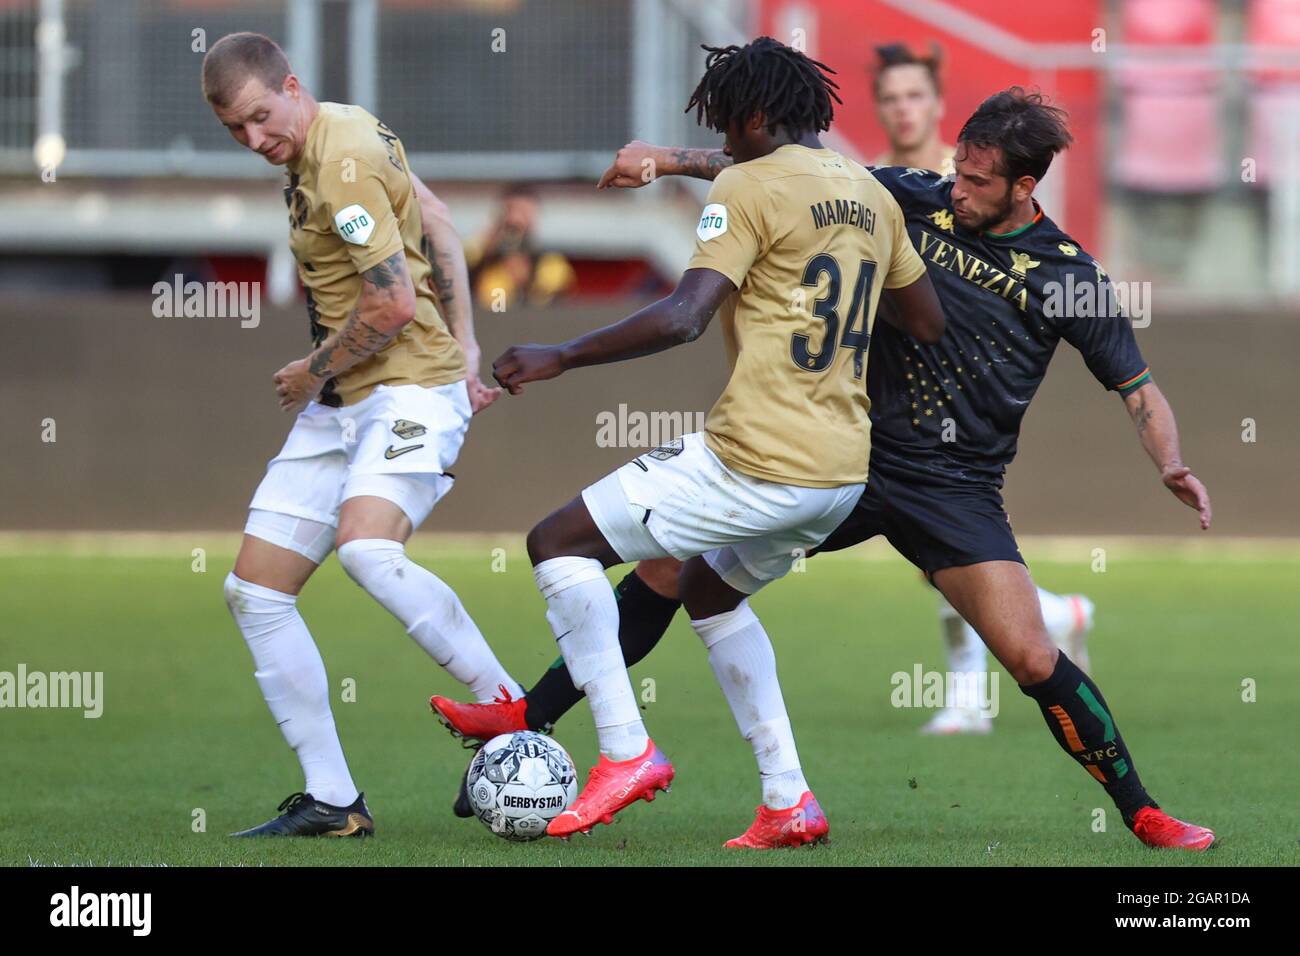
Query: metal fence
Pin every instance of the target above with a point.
(536, 88)
(543, 89)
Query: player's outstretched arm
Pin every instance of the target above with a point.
(1158, 433)
(914, 309)
(675, 320)
(639, 163)
(386, 303)
(446, 254)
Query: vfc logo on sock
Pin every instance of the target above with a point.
(1110, 753)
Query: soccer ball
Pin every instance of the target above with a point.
(520, 782)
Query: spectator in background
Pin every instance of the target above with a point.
(506, 269)
(909, 104)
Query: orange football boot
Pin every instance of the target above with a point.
(614, 785)
(476, 724)
(1158, 829)
(804, 823)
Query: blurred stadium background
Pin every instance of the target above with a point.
(114, 175)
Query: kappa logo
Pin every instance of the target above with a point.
(407, 430)
(942, 218)
(670, 450)
(713, 222)
(354, 224)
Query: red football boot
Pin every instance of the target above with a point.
(1156, 828)
(801, 824)
(614, 785)
(476, 724)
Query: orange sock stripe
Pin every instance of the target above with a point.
(1101, 778)
(1067, 726)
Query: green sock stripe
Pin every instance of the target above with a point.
(559, 662)
(1098, 711)
(1121, 768)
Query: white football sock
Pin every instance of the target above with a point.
(583, 613)
(430, 611)
(292, 677)
(966, 656)
(744, 663)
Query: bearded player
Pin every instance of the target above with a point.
(382, 402)
(945, 421)
(908, 90)
(781, 460)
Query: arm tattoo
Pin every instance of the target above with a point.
(701, 163)
(1142, 415)
(442, 286)
(388, 273)
(357, 338)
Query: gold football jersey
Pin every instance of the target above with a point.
(351, 206)
(809, 238)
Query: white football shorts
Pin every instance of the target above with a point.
(397, 444)
(681, 500)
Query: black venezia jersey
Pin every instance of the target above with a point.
(952, 410)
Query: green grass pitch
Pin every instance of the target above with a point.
(184, 727)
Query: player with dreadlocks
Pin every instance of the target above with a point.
(945, 419)
(782, 457)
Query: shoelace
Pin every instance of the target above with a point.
(1164, 825)
(505, 697)
(291, 802)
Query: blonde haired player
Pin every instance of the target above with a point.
(383, 402)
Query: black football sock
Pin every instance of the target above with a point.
(643, 617)
(1082, 724)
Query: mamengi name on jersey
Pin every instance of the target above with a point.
(843, 212)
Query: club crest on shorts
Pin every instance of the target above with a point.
(664, 452)
(405, 430)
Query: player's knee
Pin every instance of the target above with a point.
(367, 559)
(703, 593)
(1033, 663)
(231, 589)
(255, 604)
(545, 541)
(713, 630)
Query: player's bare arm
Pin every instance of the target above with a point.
(1158, 432)
(386, 304)
(639, 163)
(914, 309)
(450, 280)
(674, 320)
